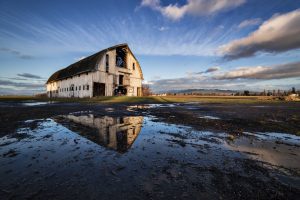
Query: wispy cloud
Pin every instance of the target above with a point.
(163, 28)
(192, 7)
(24, 85)
(61, 34)
(16, 53)
(18, 91)
(278, 34)
(249, 22)
(210, 70)
(28, 75)
(80, 58)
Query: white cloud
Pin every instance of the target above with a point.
(249, 22)
(240, 78)
(288, 70)
(192, 7)
(80, 58)
(278, 34)
(163, 28)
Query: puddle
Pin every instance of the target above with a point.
(277, 149)
(209, 117)
(108, 157)
(36, 103)
(109, 109)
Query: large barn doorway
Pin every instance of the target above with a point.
(98, 89)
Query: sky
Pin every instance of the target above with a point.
(186, 44)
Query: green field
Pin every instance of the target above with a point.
(150, 99)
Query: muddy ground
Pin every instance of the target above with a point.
(51, 150)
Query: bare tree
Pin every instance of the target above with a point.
(146, 90)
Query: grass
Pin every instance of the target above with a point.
(154, 99)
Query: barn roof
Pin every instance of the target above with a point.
(87, 64)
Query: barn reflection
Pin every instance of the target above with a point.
(117, 133)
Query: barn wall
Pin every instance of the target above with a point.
(62, 88)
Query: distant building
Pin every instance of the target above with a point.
(293, 95)
(112, 71)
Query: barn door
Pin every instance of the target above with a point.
(98, 89)
(139, 91)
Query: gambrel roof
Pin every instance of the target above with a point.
(88, 64)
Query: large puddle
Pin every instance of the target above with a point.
(68, 154)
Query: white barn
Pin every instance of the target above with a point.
(112, 71)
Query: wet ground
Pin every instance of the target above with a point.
(160, 151)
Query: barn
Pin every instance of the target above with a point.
(110, 72)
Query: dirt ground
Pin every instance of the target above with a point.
(51, 150)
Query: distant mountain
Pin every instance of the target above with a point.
(203, 91)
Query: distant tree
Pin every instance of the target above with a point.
(146, 90)
(293, 90)
(246, 93)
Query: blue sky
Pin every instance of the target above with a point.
(176, 42)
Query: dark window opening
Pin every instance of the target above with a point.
(107, 63)
(87, 87)
(121, 78)
(79, 87)
(83, 87)
(133, 66)
(120, 57)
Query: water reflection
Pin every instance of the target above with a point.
(278, 149)
(116, 133)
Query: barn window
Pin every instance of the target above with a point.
(87, 87)
(133, 66)
(67, 89)
(83, 87)
(76, 88)
(106, 63)
(120, 57)
(79, 87)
